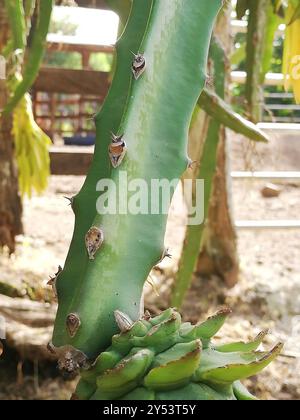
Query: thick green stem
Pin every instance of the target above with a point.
(16, 15)
(273, 21)
(155, 129)
(29, 6)
(84, 204)
(35, 55)
(219, 110)
(194, 234)
(257, 29)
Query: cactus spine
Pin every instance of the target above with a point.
(154, 124)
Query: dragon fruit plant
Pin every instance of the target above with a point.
(162, 358)
(142, 131)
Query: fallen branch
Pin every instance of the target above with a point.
(28, 327)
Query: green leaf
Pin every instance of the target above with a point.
(175, 367)
(243, 347)
(85, 390)
(229, 367)
(161, 336)
(177, 352)
(123, 378)
(139, 394)
(164, 316)
(241, 393)
(210, 327)
(107, 360)
(195, 392)
(123, 342)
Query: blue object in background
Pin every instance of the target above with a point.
(80, 140)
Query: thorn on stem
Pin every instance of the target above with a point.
(192, 163)
(138, 65)
(117, 150)
(53, 280)
(70, 199)
(73, 323)
(165, 254)
(93, 241)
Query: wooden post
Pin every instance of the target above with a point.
(85, 59)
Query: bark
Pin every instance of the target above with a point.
(10, 203)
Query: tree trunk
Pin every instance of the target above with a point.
(10, 203)
(219, 252)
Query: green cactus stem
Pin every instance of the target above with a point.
(256, 35)
(154, 128)
(36, 52)
(189, 366)
(29, 6)
(108, 120)
(194, 234)
(15, 13)
(273, 22)
(219, 110)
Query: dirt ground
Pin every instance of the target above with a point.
(267, 295)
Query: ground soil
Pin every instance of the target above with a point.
(267, 295)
